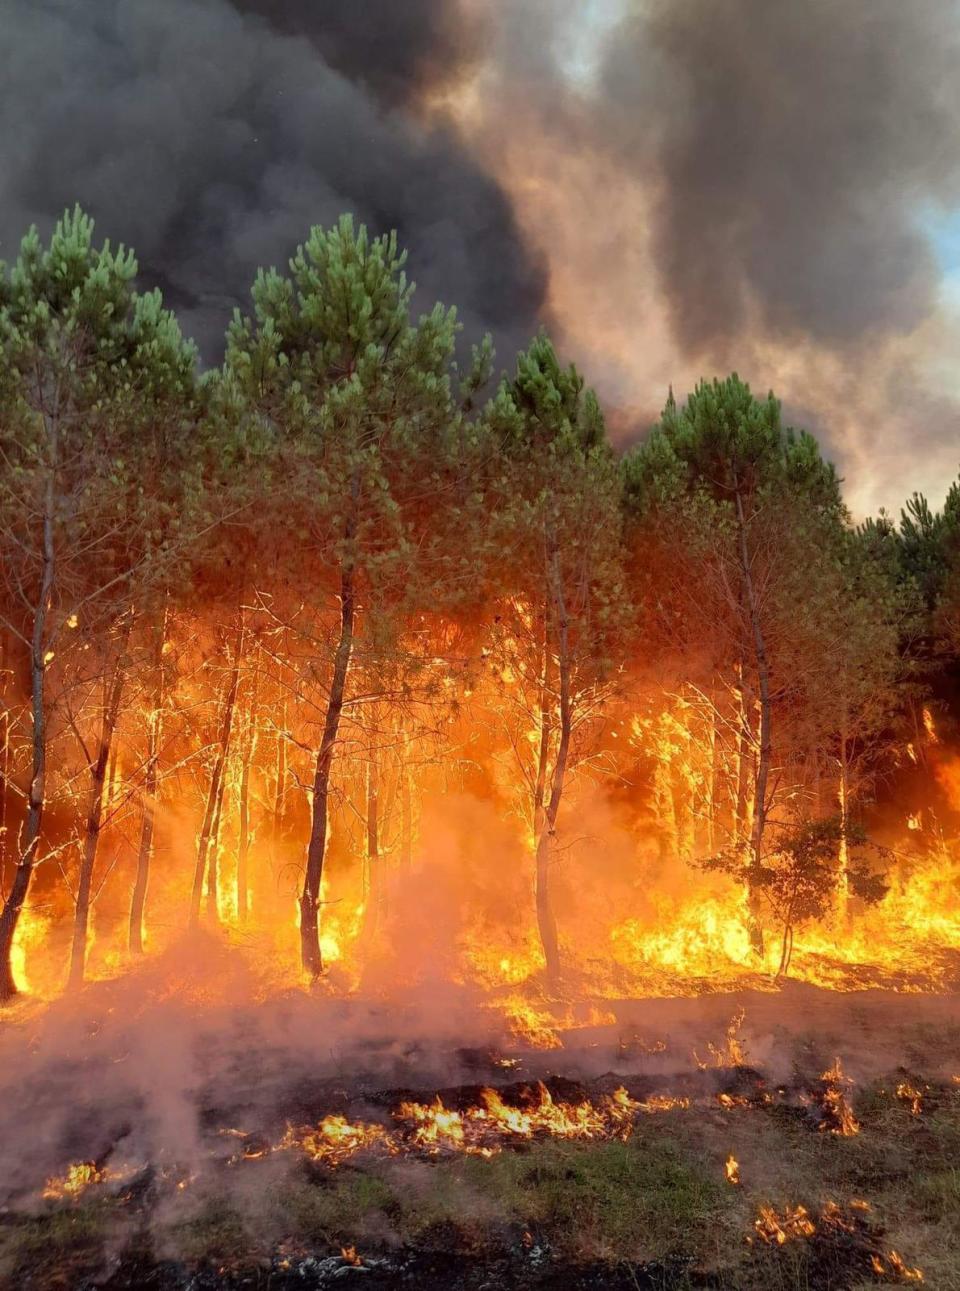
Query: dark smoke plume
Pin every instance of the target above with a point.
(398, 51)
(211, 136)
(792, 149)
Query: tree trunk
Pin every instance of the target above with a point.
(786, 951)
(281, 785)
(546, 918)
(374, 893)
(243, 843)
(244, 839)
(5, 689)
(711, 782)
(316, 850)
(765, 749)
(843, 802)
(150, 787)
(98, 797)
(207, 843)
(26, 861)
(746, 771)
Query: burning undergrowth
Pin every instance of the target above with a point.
(173, 1145)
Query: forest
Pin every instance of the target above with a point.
(388, 665)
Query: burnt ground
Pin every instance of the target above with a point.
(179, 1109)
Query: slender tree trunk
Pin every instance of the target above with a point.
(279, 797)
(98, 798)
(243, 843)
(208, 841)
(6, 665)
(244, 839)
(151, 784)
(26, 861)
(316, 850)
(843, 802)
(711, 785)
(765, 748)
(746, 771)
(546, 917)
(113, 774)
(786, 951)
(373, 860)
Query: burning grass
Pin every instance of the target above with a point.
(646, 1166)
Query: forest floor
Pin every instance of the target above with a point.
(185, 1180)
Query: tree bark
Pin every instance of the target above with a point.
(98, 797)
(316, 850)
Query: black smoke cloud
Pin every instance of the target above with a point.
(791, 149)
(399, 51)
(211, 136)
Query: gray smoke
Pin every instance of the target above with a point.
(211, 136)
(792, 148)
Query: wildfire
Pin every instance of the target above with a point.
(482, 1129)
(732, 1169)
(776, 1230)
(908, 1093)
(733, 1052)
(796, 1223)
(841, 1119)
(79, 1176)
(335, 1139)
(891, 1265)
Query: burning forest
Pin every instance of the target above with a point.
(444, 841)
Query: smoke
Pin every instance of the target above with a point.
(211, 137)
(746, 186)
(675, 187)
(793, 150)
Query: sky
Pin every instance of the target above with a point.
(674, 188)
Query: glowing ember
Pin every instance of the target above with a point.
(732, 1169)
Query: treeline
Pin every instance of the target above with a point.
(344, 559)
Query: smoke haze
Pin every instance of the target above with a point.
(674, 187)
